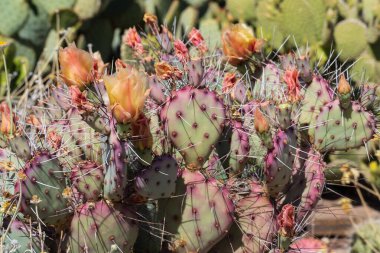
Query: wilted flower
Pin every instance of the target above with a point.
(67, 193)
(229, 81)
(181, 51)
(141, 135)
(133, 40)
(35, 200)
(99, 65)
(196, 38)
(239, 43)
(285, 221)
(8, 119)
(127, 90)
(151, 21)
(294, 86)
(260, 122)
(77, 66)
(54, 139)
(166, 71)
(79, 99)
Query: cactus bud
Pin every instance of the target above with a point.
(77, 66)
(344, 92)
(127, 90)
(343, 86)
(239, 43)
(8, 126)
(260, 122)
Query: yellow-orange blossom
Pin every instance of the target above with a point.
(77, 66)
(127, 90)
(239, 43)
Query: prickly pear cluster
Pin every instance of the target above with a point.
(179, 150)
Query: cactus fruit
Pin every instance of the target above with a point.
(100, 227)
(159, 179)
(193, 120)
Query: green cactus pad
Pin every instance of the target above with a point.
(44, 183)
(350, 36)
(193, 120)
(338, 129)
(315, 96)
(242, 9)
(36, 27)
(99, 227)
(198, 215)
(158, 180)
(52, 6)
(22, 238)
(270, 85)
(86, 9)
(14, 13)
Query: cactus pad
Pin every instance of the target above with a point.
(193, 120)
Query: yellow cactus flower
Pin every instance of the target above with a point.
(127, 90)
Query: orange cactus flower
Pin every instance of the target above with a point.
(77, 66)
(127, 90)
(285, 221)
(239, 43)
(8, 125)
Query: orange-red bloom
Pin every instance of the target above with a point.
(294, 86)
(127, 90)
(285, 221)
(133, 40)
(181, 51)
(197, 40)
(77, 66)
(239, 43)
